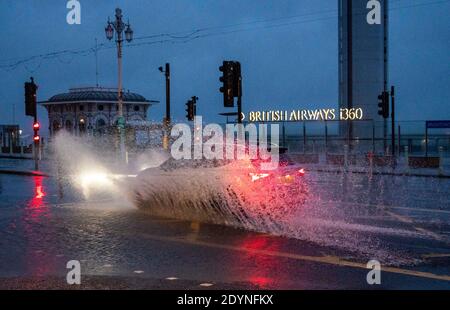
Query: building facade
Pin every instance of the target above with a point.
(93, 109)
(10, 136)
(363, 63)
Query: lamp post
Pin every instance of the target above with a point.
(167, 75)
(120, 28)
(166, 120)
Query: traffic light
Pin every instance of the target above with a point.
(190, 110)
(36, 127)
(237, 79)
(227, 83)
(194, 104)
(383, 104)
(30, 98)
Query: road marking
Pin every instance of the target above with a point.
(402, 218)
(436, 255)
(408, 220)
(331, 260)
(381, 206)
(422, 210)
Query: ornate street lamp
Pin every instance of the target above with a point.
(109, 30)
(119, 27)
(129, 33)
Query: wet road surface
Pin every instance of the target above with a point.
(120, 246)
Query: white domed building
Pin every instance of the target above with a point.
(92, 110)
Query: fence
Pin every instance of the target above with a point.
(309, 137)
(361, 137)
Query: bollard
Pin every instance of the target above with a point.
(441, 160)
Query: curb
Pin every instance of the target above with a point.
(25, 173)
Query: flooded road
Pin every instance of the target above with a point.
(403, 222)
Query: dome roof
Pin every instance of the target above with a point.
(96, 94)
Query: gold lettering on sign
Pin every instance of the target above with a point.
(306, 115)
(293, 116)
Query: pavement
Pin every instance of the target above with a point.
(24, 167)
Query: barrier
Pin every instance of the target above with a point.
(423, 162)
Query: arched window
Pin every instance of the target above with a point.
(69, 126)
(55, 127)
(100, 126)
(101, 123)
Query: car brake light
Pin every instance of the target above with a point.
(301, 171)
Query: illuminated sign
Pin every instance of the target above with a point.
(306, 115)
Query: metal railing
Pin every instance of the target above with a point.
(368, 136)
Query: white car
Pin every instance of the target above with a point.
(220, 191)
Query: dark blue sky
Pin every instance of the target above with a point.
(287, 62)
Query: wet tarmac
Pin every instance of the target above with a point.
(43, 226)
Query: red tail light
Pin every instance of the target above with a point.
(301, 172)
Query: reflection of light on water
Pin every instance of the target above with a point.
(37, 208)
(261, 281)
(38, 259)
(39, 193)
(266, 265)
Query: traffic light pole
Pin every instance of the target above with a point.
(393, 124)
(167, 74)
(31, 110)
(167, 118)
(36, 147)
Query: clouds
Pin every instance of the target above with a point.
(289, 66)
